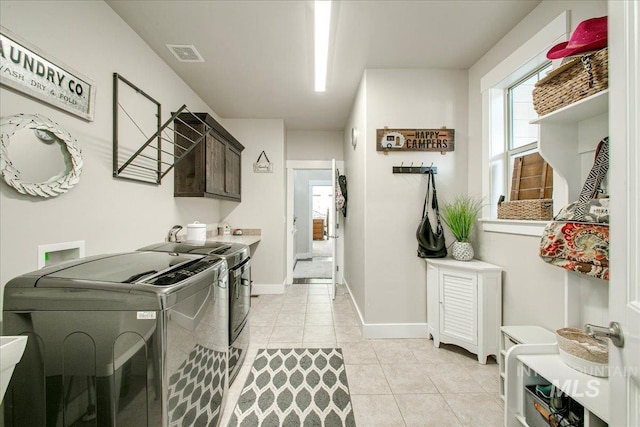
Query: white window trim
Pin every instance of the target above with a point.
(525, 59)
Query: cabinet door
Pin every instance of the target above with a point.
(459, 305)
(232, 172)
(188, 174)
(215, 165)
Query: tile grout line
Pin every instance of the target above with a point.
(404, 420)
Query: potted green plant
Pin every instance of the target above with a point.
(460, 216)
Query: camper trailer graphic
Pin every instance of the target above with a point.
(393, 140)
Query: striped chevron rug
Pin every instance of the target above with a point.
(295, 387)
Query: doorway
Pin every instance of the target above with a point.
(314, 250)
(310, 193)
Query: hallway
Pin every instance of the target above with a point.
(318, 267)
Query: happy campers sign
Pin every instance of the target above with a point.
(415, 140)
(25, 70)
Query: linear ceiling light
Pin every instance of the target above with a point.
(322, 23)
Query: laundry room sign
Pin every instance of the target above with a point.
(415, 140)
(24, 68)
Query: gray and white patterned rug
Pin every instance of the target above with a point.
(295, 387)
(196, 389)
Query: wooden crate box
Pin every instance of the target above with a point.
(531, 190)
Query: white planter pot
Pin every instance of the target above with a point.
(462, 251)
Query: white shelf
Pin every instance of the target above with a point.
(591, 392)
(520, 335)
(523, 227)
(530, 334)
(586, 108)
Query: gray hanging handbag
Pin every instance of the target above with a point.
(431, 244)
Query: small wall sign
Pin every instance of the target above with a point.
(24, 68)
(263, 166)
(415, 140)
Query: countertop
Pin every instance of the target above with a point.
(244, 239)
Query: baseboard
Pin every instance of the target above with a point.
(395, 330)
(388, 330)
(353, 302)
(267, 288)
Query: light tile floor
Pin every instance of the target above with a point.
(394, 382)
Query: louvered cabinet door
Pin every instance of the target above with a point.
(459, 305)
(464, 305)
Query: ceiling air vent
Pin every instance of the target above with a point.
(185, 52)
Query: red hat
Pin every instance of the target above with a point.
(588, 35)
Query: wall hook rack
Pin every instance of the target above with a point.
(415, 169)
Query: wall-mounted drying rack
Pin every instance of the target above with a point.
(151, 162)
(415, 169)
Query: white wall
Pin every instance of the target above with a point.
(385, 208)
(532, 290)
(263, 196)
(396, 277)
(354, 223)
(109, 215)
(314, 145)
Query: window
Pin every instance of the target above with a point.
(520, 136)
(506, 112)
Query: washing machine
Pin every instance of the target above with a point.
(133, 339)
(237, 257)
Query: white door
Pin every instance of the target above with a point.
(332, 230)
(624, 183)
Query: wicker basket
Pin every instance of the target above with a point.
(582, 353)
(540, 209)
(571, 82)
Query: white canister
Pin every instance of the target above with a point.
(196, 232)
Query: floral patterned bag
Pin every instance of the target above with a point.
(578, 237)
(577, 246)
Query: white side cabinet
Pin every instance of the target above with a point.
(464, 305)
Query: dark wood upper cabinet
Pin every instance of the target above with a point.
(213, 167)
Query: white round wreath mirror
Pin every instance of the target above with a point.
(45, 129)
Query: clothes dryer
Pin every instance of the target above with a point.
(237, 257)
